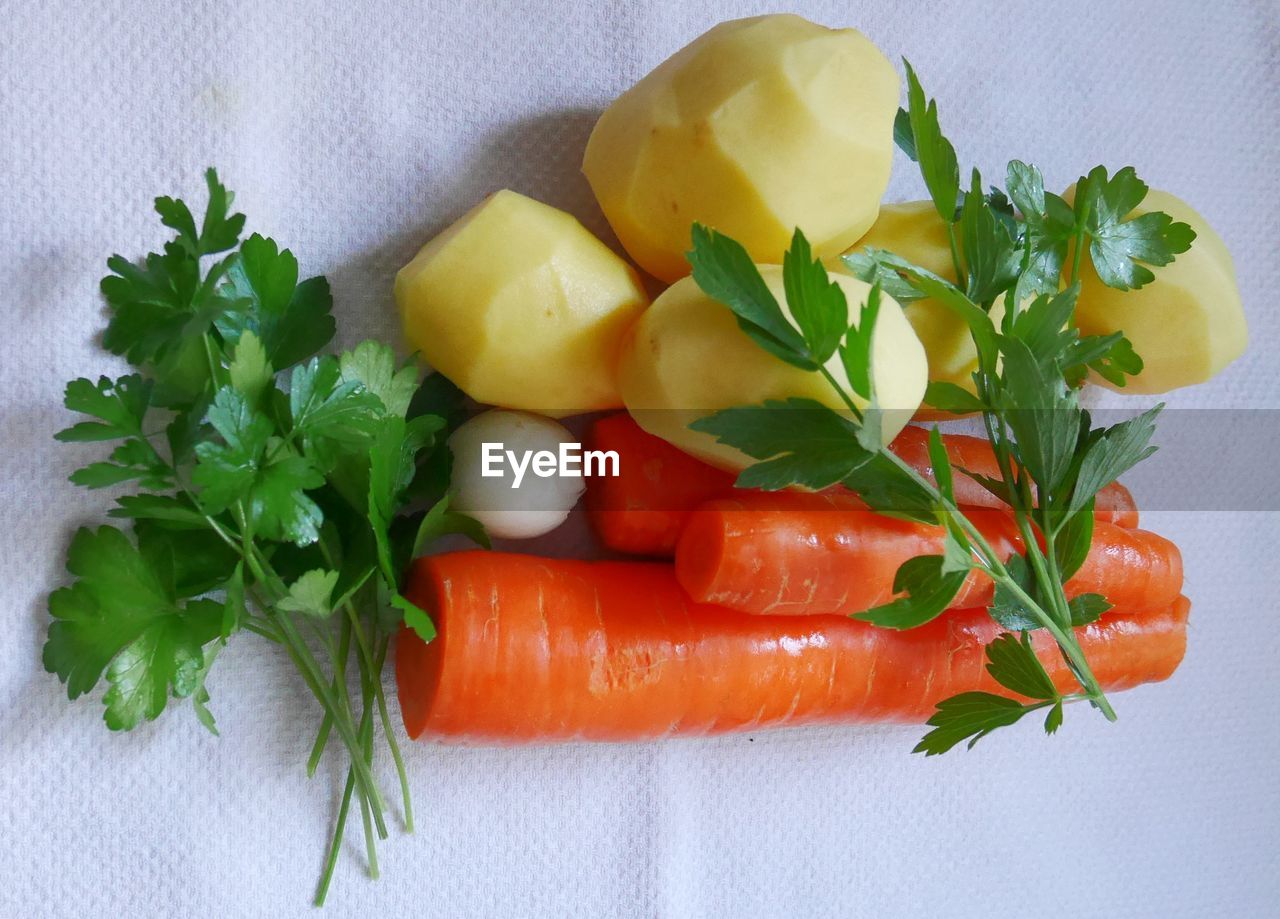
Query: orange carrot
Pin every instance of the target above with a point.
(642, 510)
(813, 555)
(1114, 503)
(534, 650)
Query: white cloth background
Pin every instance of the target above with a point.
(352, 131)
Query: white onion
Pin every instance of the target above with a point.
(539, 504)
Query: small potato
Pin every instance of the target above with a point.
(758, 127)
(686, 358)
(518, 503)
(521, 307)
(914, 231)
(1187, 324)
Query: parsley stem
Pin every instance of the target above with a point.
(311, 674)
(844, 396)
(1081, 233)
(339, 674)
(345, 724)
(1045, 565)
(214, 365)
(389, 731)
(955, 255)
(336, 845)
(352, 616)
(366, 744)
(376, 668)
(1063, 635)
(261, 628)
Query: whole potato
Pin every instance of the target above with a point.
(521, 307)
(686, 358)
(758, 127)
(914, 231)
(1187, 324)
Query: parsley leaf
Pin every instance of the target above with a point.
(323, 405)
(1121, 248)
(1049, 226)
(252, 469)
(177, 511)
(972, 716)
(373, 365)
(928, 588)
(867, 266)
(903, 136)
(856, 355)
(1043, 416)
(1014, 665)
(1086, 608)
(133, 459)
(120, 616)
(278, 503)
(311, 594)
(1119, 448)
(392, 455)
(1071, 545)
(219, 231)
(119, 405)
(250, 371)
(440, 521)
(1007, 608)
(724, 269)
(968, 716)
(800, 442)
(950, 397)
(930, 149)
(415, 617)
(817, 303)
(990, 254)
(291, 319)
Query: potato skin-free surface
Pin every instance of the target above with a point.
(757, 127)
(686, 358)
(521, 307)
(914, 231)
(1187, 324)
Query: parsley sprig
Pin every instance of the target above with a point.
(275, 487)
(1006, 246)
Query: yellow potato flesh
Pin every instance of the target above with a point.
(914, 231)
(757, 127)
(521, 307)
(686, 358)
(1187, 324)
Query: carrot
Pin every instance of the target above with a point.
(815, 555)
(1114, 503)
(535, 650)
(642, 510)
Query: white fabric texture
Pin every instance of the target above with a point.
(351, 132)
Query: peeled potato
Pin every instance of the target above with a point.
(914, 231)
(757, 127)
(1187, 324)
(521, 307)
(686, 358)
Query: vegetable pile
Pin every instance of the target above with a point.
(802, 552)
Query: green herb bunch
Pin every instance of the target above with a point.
(273, 493)
(1012, 245)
